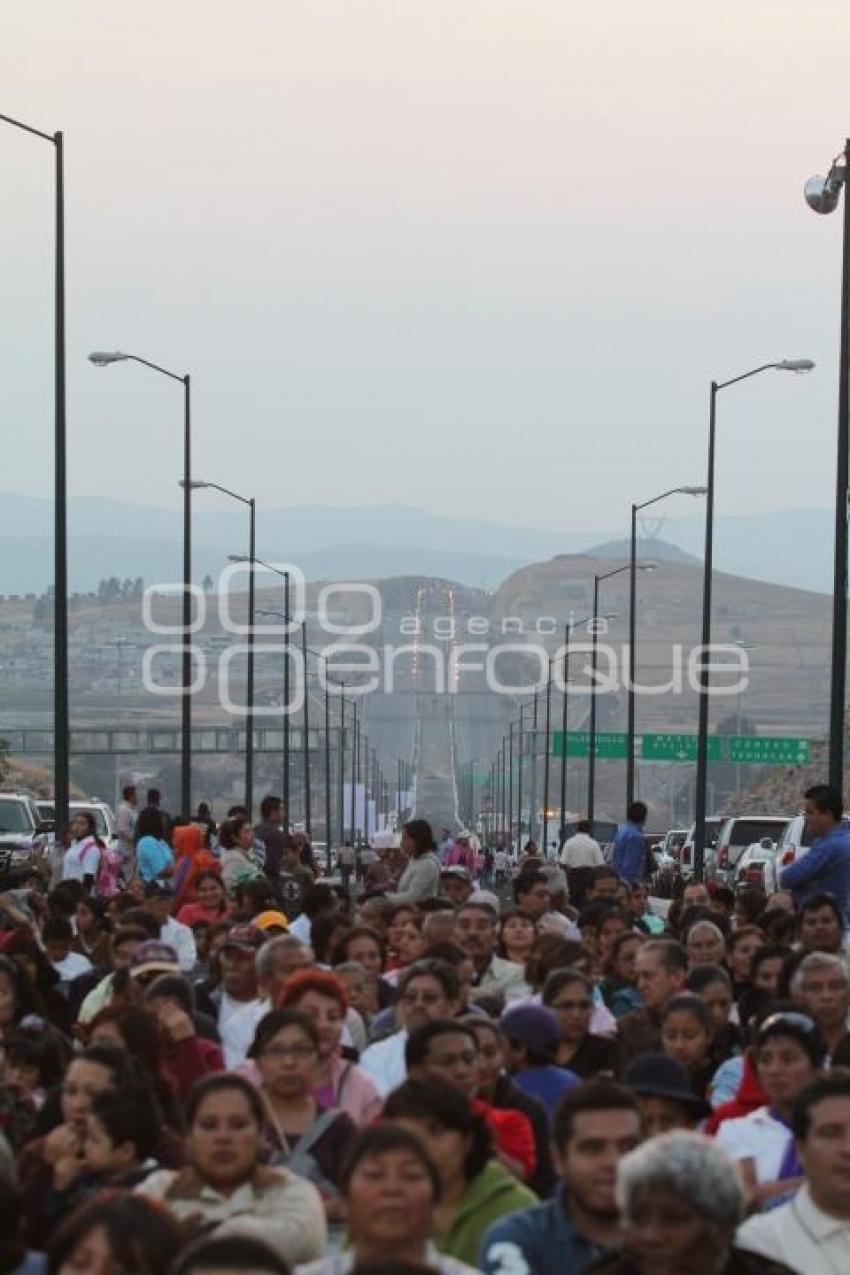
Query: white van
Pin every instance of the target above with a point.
(738, 833)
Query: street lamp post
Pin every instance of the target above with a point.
(520, 755)
(284, 575)
(249, 696)
(784, 365)
(510, 825)
(61, 714)
(630, 747)
(546, 758)
(306, 750)
(822, 195)
(591, 758)
(103, 358)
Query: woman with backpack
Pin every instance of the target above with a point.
(307, 1138)
(82, 858)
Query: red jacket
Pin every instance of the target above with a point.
(750, 1097)
(187, 1060)
(512, 1133)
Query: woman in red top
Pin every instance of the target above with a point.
(211, 904)
(191, 859)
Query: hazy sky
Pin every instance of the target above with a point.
(483, 256)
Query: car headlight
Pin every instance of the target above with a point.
(20, 858)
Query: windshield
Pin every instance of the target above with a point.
(746, 831)
(14, 816)
(97, 815)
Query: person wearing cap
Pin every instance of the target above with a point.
(159, 899)
(788, 1052)
(596, 1124)
(533, 1035)
(456, 884)
(477, 934)
(663, 1092)
(152, 959)
(272, 923)
(238, 984)
(812, 1232)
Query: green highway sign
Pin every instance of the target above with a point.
(669, 747)
(767, 750)
(610, 745)
(753, 750)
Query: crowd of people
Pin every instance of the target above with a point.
(435, 1061)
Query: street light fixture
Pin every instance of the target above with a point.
(647, 567)
(61, 715)
(783, 365)
(630, 746)
(568, 631)
(253, 561)
(103, 358)
(822, 195)
(198, 485)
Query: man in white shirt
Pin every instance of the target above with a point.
(427, 990)
(476, 933)
(159, 900)
(276, 961)
(580, 855)
(811, 1233)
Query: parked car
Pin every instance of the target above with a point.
(793, 842)
(737, 833)
(713, 825)
(757, 866)
(674, 840)
(23, 834)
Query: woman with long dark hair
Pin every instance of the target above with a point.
(421, 878)
(82, 858)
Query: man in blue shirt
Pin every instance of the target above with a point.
(628, 857)
(596, 1124)
(825, 868)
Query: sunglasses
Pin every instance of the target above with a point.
(801, 1022)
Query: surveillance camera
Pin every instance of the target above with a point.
(822, 193)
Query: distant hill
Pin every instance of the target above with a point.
(109, 537)
(648, 550)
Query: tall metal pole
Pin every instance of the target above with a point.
(327, 768)
(186, 704)
(288, 812)
(838, 679)
(308, 827)
(249, 710)
(519, 782)
(504, 793)
(532, 822)
(355, 739)
(630, 728)
(342, 764)
(546, 761)
(564, 720)
(702, 729)
(591, 756)
(510, 829)
(61, 708)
